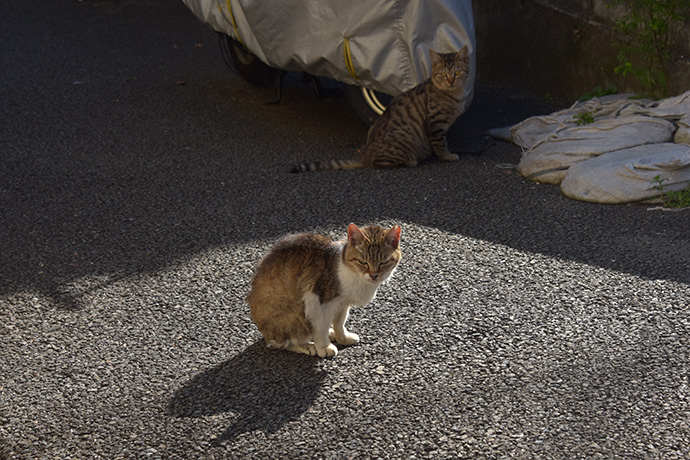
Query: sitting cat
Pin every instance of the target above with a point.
(415, 123)
(307, 283)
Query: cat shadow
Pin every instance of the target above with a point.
(264, 389)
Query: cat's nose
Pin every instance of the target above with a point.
(373, 276)
(451, 80)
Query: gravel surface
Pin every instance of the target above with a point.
(141, 182)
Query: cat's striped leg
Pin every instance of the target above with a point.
(437, 138)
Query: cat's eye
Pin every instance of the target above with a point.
(457, 72)
(362, 262)
(384, 263)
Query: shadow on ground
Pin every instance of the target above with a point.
(264, 388)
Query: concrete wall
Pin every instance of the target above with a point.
(559, 48)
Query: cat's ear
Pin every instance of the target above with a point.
(354, 235)
(463, 54)
(436, 58)
(393, 237)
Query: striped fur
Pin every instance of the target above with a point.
(415, 123)
(327, 165)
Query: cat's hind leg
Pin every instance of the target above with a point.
(395, 161)
(391, 164)
(283, 329)
(307, 348)
(450, 157)
(298, 346)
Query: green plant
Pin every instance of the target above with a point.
(672, 198)
(598, 91)
(649, 27)
(584, 118)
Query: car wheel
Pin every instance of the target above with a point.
(366, 103)
(250, 67)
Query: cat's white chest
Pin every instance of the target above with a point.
(355, 289)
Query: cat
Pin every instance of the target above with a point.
(415, 123)
(307, 283)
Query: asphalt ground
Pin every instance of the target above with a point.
(141, 182)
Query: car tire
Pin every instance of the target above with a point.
(367, 104)
(250, 67)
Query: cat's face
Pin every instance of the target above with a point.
(373, 252)
(450, 70)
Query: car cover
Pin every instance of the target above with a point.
(379, 44)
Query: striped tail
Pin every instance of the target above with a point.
(327, 165)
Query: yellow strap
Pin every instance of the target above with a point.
(232, 18)
(348, 59)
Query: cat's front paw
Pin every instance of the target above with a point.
(327, 352)
(450, 157)
(349, 338)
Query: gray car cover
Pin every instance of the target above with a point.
(379, 44)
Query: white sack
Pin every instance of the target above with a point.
(554, 143)
(540, 128)
(682, 135)
(627, 176)
(548, 160)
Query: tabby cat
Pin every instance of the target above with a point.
(307, 283)
(415, 123)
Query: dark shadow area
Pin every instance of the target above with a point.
(264, 388)
(120, 160)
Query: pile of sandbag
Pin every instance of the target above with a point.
(609, 150)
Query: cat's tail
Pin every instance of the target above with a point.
(327, 165)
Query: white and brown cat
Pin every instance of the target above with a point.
(304, 287)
